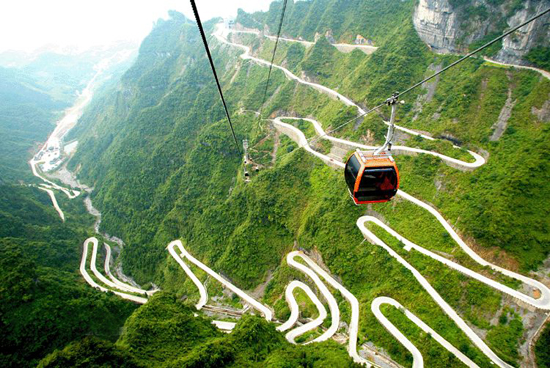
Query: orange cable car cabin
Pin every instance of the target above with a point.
(371, 177)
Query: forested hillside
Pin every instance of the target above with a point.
(464, 107)
(157, 151)
(151, 340)
(374, 20)
(45, 302)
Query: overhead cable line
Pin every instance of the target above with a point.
(201, 30)
(399, 94)
(272, 58)
(313, 140)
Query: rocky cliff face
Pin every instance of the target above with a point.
(537, 33)
(436, 24)
(452, 25)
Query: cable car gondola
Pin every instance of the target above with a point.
(372, 176)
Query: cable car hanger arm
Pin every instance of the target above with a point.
(392, 101)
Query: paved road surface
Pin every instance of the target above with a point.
(183, 253)
(295, 311)
(418, 361)
(224, 325)
(478, 159)
(354, 322)
(342, 47)
(544, 73)
(332, 303)
(54, 202)
(93, 284)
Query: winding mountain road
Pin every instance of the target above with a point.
(92, 283)
(221, 35)
(544, 73)
(295, 311)
(478, 159)
(342, 47)
(112, 284)
(54, 202)
(299, 137)
(418, 361)
(354, 303)
(541, 303)
(332, 304)
(183, 253)
(476, 340)
(222, 325)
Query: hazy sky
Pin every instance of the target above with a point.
(30, 24)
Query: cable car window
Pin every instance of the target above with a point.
(352, 170)
(377, 184)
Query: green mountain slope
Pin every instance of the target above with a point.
(164, 333)
(158, 152)
(374, 20)
(465, 108)
(45, 302)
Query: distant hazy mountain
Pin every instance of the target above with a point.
(34, 94)
(59, 71)
(27, 115)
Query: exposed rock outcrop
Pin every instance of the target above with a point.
(436, 24)
(543, 114)
(449, 26)
(515, 46)
(502, 122)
